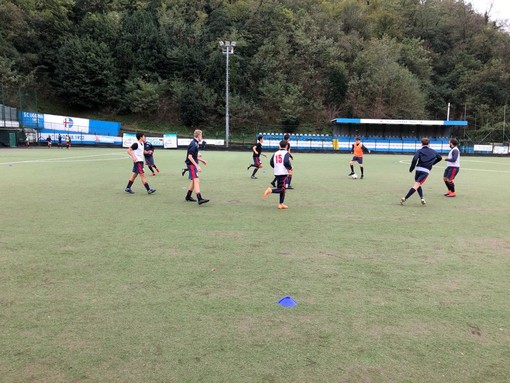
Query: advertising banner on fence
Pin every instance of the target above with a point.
(79, 138)
(71, 124)
(170, 141)
(483, 148)
(500, 149)
(155, 141)
(128, 139)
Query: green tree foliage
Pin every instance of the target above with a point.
(382, 87)
(86, 73)
(296, 62)
(141, 96)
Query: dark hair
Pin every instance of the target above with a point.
(357, 139)
(286, 136)
(454, 141)
(283, 144)
(425, 141)
(139, 135)
(260, 137)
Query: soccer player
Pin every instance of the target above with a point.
(357, 149)
(68, 141)
(48, 140)
(60, 141)
(185, 170)
(286, 138)
(257, 152)
(136, 152)
(423, 161)
(452, 167)
(280, 161)
(149, 157)
(194, 168)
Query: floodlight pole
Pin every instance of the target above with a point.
(227, 48)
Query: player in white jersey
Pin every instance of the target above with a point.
(280, 161)
(452, 167)
(136, 152)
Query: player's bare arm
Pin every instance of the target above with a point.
(192, 160)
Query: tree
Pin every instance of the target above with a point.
(86, 73)
(383, 88)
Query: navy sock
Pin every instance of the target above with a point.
(420, 192)
(410, 193)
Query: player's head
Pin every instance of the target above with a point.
(283, 144)
(425, 141)
(260, 138)
(454, 142)
(197, 134)
(357, 139)
(139, 136)
(286, 137)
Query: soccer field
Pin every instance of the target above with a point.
(97, 285)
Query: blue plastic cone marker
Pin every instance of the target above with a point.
(287, 302)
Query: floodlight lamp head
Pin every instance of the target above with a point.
(227, 43)
(233, 43)
(221, 43)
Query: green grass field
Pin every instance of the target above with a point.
(97, 285)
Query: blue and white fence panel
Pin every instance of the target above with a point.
(321, 142)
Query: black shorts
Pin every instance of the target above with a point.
(138, 167)
(451, 172)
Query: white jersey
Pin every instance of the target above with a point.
(280, 158)
(450, 156)
(138, 152)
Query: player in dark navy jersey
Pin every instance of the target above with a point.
(149, 157)
(257, 152)
(136, 152)
(423, 161)
(194, 168)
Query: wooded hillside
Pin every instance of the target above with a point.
(297, 63)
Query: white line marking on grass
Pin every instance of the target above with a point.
(69, 159)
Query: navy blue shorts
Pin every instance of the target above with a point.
(193, 172)
(256, 162)
(420, 177)
(138, 167)
(149, 161)
(359, 160)
(281, 181)
(451, 172)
